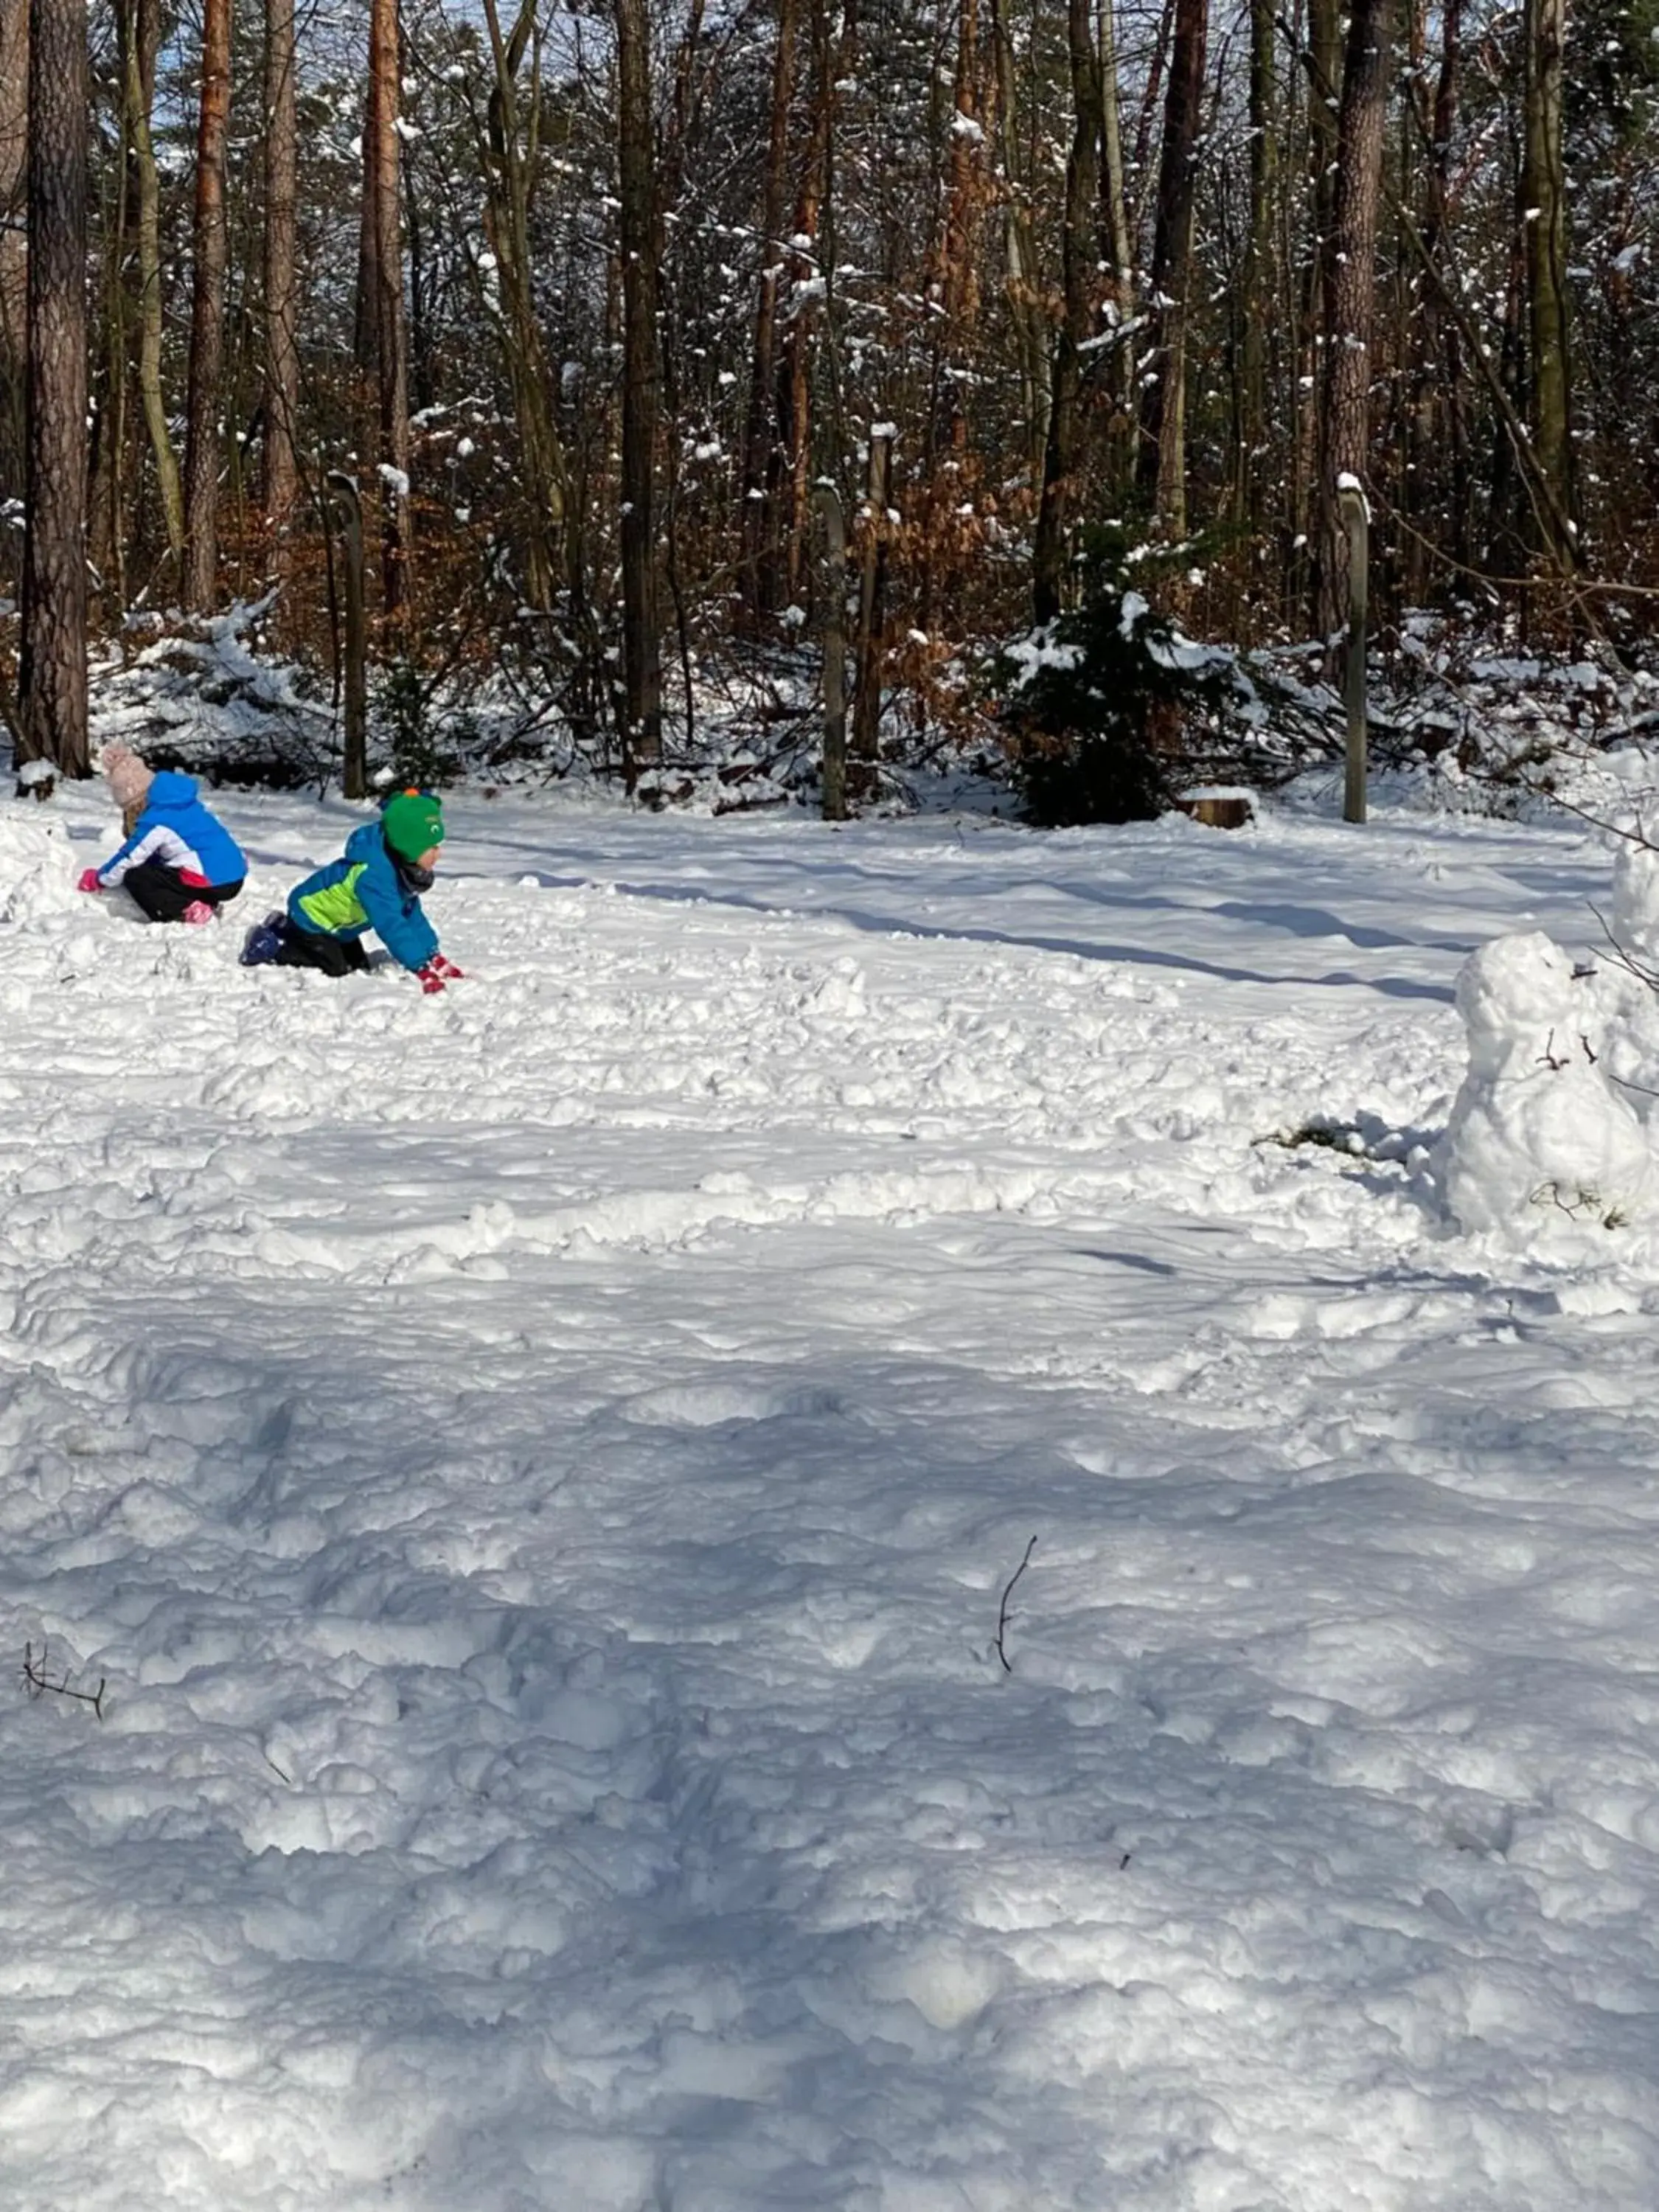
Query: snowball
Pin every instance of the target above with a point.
(1535, 1134)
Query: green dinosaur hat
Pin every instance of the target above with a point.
(412, 823)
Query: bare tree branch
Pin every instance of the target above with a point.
(38, 1682)
(1002, 1614)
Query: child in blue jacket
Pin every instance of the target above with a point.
(178, 862)
(378, 886)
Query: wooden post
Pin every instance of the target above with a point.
(1356, 521)
(866, 701)
(354, 761)
(833, 627)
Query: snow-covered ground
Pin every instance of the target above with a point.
(539, 1473)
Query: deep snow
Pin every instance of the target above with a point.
(538, 1470)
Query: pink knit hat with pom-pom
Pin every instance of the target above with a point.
(128, 779)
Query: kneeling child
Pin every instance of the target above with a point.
(378, 886)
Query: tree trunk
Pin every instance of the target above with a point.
(1509, 534)
(956, 278)
(107, 521)
(423, 379)
(1256, 286)
(1062, 456)
(1544, 218)
(873, 587)
(803, 284)
(353, 672)
(1163, 463)
(52, 676)
(207, 325)
(508, 168)
(642, 639)
(13, 257)
(950, 287)
(831, 596)
(1439, 431)
(383, 222)
(1351, 288)
(281, 367)
(760, 468)
(1116, 254)
(1020, 283)
(1355, 518)
(365, 339)
(1323, 58)
(143, 29)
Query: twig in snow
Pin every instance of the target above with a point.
(38, 1682)
(1625, 1084)
(1625, 957)
(1549, 1057)
(1002, 1614)
(1583, 1200)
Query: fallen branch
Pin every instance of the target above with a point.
(1583, 1200)
(38, 1682)
(1625, 1084)
(1002, 1615)
(1623, 958)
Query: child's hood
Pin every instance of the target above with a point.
(364, 843)
(169, 792)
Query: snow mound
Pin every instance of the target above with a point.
(37, 869)
(1537, 1135)
(1634, 919)
(539, 1473)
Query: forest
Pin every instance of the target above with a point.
(664, 355)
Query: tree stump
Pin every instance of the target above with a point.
(1218, 810)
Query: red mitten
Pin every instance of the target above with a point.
(88, 881)
(446, 969)
(431, 981)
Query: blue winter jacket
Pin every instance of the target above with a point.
(177, 829)
(365, 891)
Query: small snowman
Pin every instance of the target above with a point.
(1536, 1132)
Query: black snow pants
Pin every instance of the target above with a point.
(314, 948)
(163, 893)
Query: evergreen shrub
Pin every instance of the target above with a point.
(1096, 705)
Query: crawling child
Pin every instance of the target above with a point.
(377, 885)
(178, 861)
